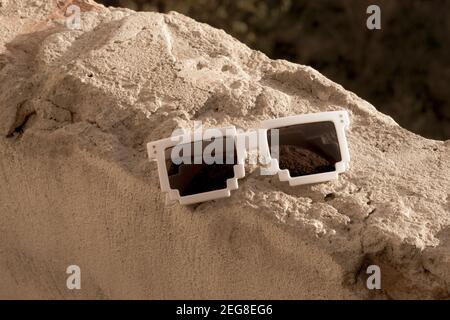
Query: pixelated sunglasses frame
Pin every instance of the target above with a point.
(156, 152)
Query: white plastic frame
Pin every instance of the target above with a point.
(156, 152)
(341, 122)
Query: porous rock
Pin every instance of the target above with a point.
(76, 110)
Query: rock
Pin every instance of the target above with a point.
(78, 106)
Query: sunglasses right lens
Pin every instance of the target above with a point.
(306, 148)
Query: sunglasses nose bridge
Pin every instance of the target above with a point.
(152, 151)
(255, 138)
(254, 143)
(251, 140)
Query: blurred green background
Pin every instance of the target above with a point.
(403, 69)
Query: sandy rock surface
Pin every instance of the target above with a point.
(78, 106)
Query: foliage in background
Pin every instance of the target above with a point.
(404, 69)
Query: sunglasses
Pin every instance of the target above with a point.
(302, 149)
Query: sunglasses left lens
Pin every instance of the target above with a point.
(201, 166)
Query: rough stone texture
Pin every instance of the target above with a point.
(78, 106)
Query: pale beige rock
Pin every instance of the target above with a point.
(78, 106)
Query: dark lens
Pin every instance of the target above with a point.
(307, 148)
(189, 177)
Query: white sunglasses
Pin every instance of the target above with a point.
(301, 149)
